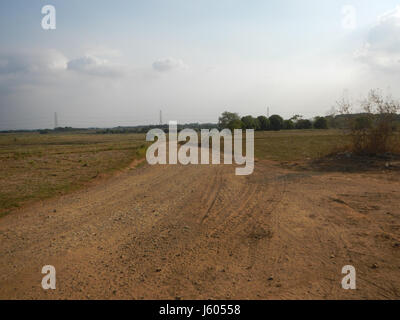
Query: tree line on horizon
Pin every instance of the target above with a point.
(231, 120)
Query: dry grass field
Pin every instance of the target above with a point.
(37, 166)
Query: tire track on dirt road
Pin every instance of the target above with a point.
(193, 232)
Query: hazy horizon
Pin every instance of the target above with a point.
(112, 64)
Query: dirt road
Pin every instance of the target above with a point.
(200, 232)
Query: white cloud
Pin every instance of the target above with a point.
(381, 50)
(45, 61)
(42, 61)
(96, 66)
(168, 64)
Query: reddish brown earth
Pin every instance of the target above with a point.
(200, 232)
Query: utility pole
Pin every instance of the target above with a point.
(161, 118)
(55, 120)
(267, 112)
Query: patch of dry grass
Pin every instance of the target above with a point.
(295, 145)
(35, 166)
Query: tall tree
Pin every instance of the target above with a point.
(320, 123)
(264, 123)
(250, 123)
(276, 122)
(226, 118)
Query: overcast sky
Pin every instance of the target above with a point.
(111, 63)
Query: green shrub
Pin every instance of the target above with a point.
(373, 133)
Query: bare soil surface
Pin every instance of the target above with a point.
(200, 232)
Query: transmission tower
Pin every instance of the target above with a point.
(55, 120)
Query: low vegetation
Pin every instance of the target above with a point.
(36, 166)
(295, 145)
(373, 132)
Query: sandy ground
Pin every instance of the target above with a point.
(200, 232)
